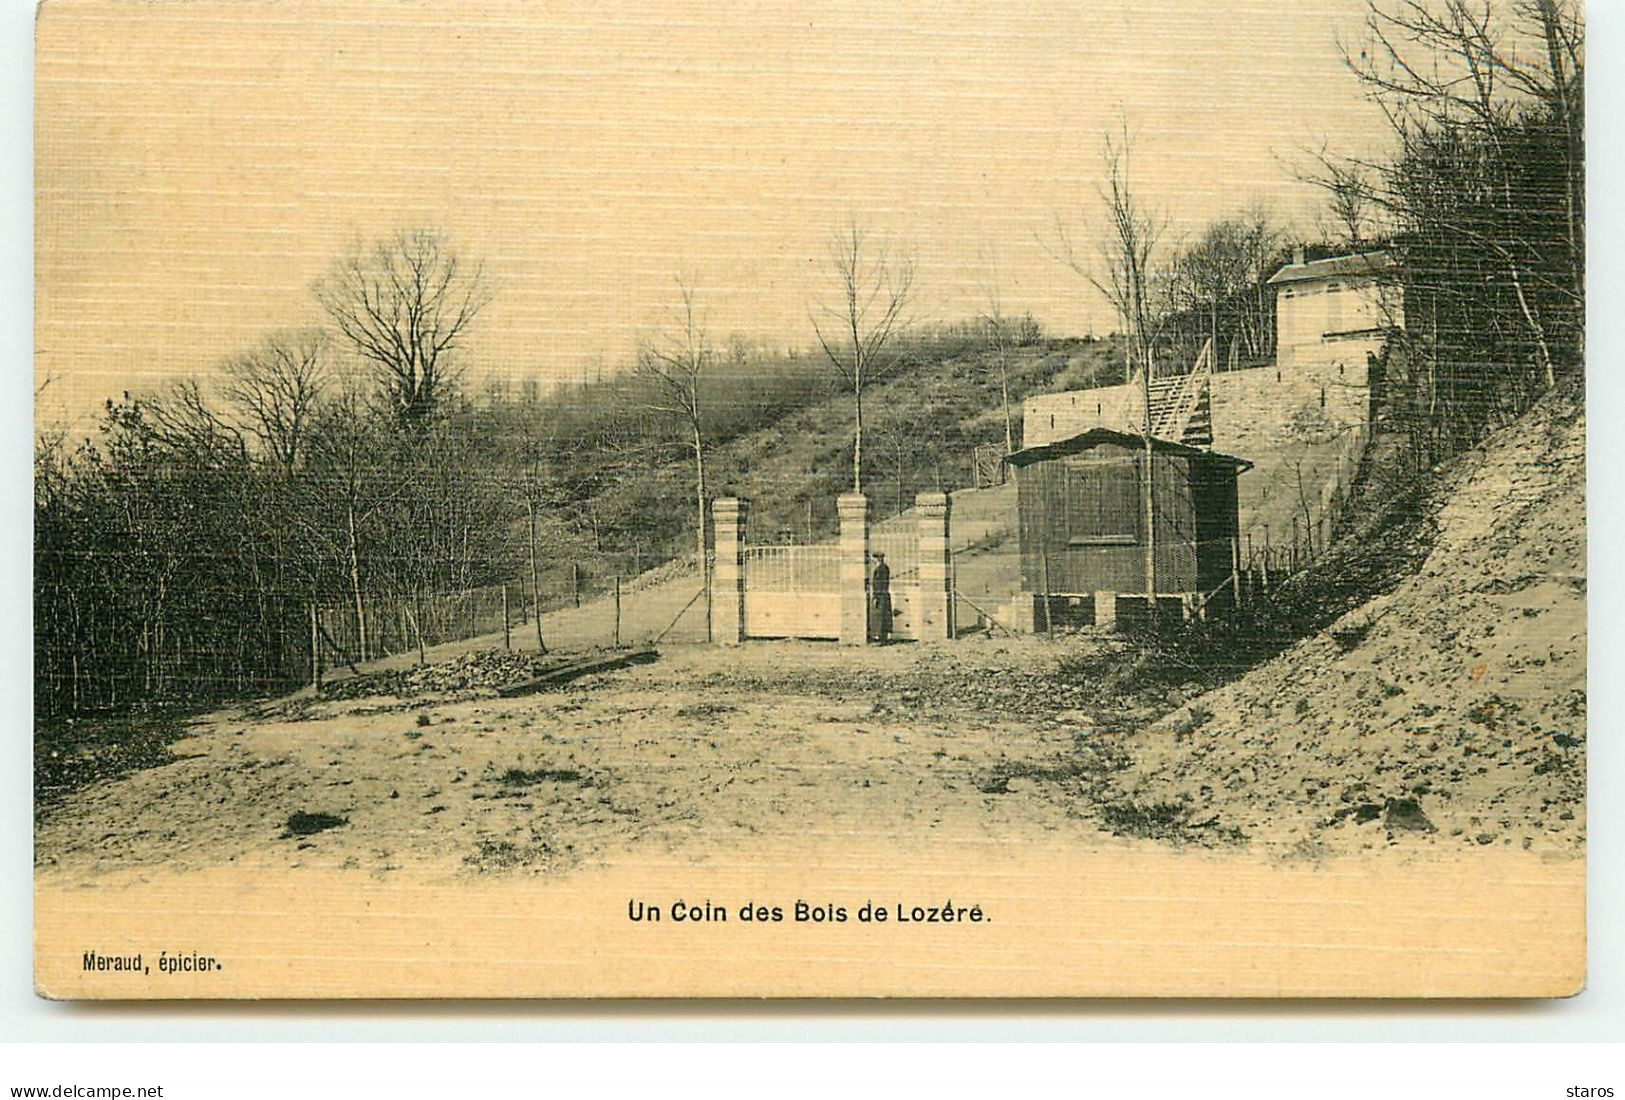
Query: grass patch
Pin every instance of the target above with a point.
(1086, 767)
(521, 777)
(308, 824)
(504, 855)
(1349, 636)
(704, 710)
(1166, 821)
(71, 753)
(1492, 713)
(1158, 821)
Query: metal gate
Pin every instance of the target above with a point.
(792, 591)
(795, 591)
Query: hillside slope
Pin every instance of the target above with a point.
(921, 427)
(1451, 710)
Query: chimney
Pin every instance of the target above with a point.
(1297, 254)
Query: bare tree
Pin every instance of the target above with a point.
(348, 493)
(998, 338)
(1121, 266)
(1261, 241)
(1348, 200)
(183, 421)
(857, 330)
(1121, 271)
(673, 363)
(50, 449)
(536, 488)
(405, 307)
(1463, 68)
(1209, 269)
(1219, 278)
(275, 389)
(533, 440)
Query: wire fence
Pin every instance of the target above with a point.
(569, 607)
(384, 627)
(581, 605)
(92, 660)
(1268, 555)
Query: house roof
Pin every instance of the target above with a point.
(1095, 436)
(1363, 263)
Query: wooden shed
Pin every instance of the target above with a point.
(1082, 526)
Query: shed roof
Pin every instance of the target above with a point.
(1362, 263)
(1095, 436)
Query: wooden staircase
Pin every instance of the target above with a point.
(1182, 405)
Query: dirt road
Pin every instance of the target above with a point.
(707, 751)
(705, 748)
(352, 847)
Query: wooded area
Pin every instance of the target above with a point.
(1484, 202)
(180, 550)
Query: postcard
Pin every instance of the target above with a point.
(569, 500)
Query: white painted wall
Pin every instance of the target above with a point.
(1331, 320)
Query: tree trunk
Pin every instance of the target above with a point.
(355, 590)
(1213, 334)
(1150, 479)
(857, 434)
(699, 527)
(73, 606)
(899, 477)
(1004, 393)
(1536, 329)
(535, 578)
(157, 652)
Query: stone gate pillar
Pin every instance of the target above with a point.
(935, 617)
(854, 570)
(728, 576)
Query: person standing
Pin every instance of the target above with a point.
(880, 600)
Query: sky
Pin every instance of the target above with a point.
(199, 164)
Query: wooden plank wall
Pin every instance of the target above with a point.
(1041, 490)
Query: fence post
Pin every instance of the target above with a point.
(617, 611)
(854, 568)
(507, 629)
(315, 651)
(728, 575)
(936, 594)
(1235, 570)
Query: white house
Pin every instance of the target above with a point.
(1334, 311)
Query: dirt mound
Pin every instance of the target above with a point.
(979, 678)
(481, 671)
(1451, 710)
